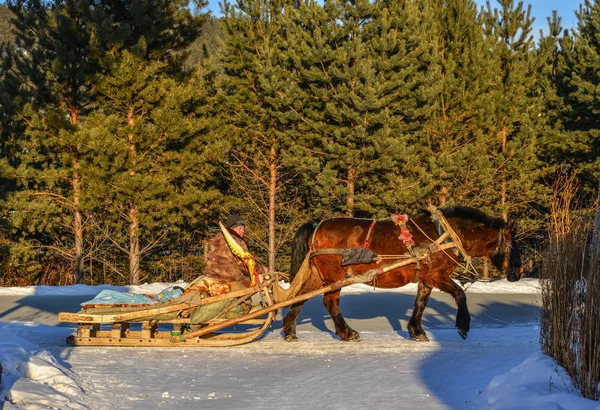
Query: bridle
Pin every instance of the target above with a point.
(504, 247)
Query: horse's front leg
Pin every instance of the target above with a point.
(415, 330)
(463, 317)
(332, 303)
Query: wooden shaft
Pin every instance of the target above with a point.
(365, 277)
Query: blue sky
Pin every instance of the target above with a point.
(540, 9)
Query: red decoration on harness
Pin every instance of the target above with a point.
(365, 244)
(398, 219)
(406, 236)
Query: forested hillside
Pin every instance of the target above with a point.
(129, 128)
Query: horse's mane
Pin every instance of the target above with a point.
(475, 215)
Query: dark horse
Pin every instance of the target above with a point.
(480, 234)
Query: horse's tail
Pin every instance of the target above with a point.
(300, 247)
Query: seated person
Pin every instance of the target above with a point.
(221, 264)
(224, 272)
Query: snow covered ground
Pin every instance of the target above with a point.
(497, 367)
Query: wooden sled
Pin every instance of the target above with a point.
(168, 323)
(144, 326)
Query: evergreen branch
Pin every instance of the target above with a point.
(64, 200)
(298, 114)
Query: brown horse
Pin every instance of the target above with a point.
(391, 240)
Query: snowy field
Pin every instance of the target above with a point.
(499, 366)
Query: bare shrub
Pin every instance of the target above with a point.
(570, 322)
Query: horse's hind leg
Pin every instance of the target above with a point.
(313, 282)
(332, 303)
(289, 323)
(463, 318)
(415, 330)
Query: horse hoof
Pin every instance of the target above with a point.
(421, 338)
(462, 333)
(353, 337)
(291, 338)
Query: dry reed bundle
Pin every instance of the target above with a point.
(570, 323)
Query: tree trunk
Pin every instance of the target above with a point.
(272, 192)
(503, 181)
(78, 217)
(78, 231)
(134, 248)
(134, 239)
(350, 195)
(443, 195)
(596, 233)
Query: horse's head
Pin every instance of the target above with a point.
(507, 256)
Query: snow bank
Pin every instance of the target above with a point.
(537, 383)
(526, 285)
(31, 376)
(73, 290)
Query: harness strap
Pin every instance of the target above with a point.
(313, 239)
(326, 251)
(436, 215)
(367, 239)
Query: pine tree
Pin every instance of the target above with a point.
(153, 160)
(361, 74)
(55, 67)
(454, 139)
(66, 48)
(515, 112)
(555, 110)
(147, 108)
(258, 94)
(579, 63)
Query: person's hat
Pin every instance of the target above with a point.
(233, 221)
